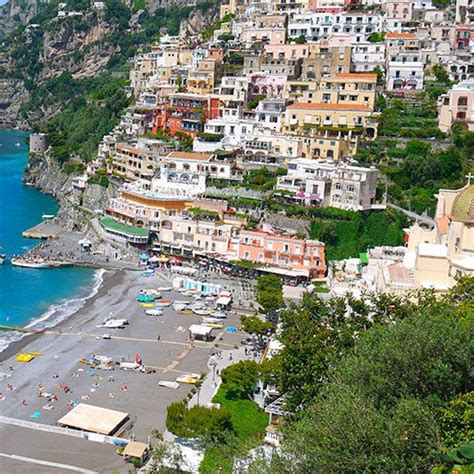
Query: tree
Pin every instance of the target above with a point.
(254, 325)
(301, 39)
(210, 425)
(240, 379)
(269, 293)
(440, 73)
(457, 421)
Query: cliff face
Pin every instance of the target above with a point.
(16, 13)
(46, 175)
(12, 95)
(197, 21)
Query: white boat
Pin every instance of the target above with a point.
(17, 144)
(37, 263)
(48, 216)
(2, 258)
(114, 323)
(219, 315)
(202, 312)
(151, 292)
(154, 312)
(210, 320)
(165, 288)
(168, 384)
(181, 307)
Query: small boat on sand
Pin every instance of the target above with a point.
(154, 312)
(202, 312)
(164, 303)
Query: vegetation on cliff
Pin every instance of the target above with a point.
(381, 383)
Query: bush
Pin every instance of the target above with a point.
(240, 379)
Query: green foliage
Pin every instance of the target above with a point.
(440, 73)
(74, 167)
(210, 137)
(240, 379)
(226, 37)
(269, 293)
(254, 325)
(252, 103)
(210, 425)
(372, 379)
(377, 37)
(348, 237)
(456, 420)
(249, 423)
(300, 40)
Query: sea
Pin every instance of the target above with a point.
(36, 298)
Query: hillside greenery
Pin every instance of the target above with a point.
(376, 384)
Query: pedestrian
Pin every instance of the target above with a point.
(24, 402)
(230, 356)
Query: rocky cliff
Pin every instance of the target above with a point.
(16, 13)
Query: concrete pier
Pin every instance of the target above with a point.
(43, 230)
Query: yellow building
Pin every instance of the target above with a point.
(330, 116)
(346, 88)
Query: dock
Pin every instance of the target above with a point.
(43, 230)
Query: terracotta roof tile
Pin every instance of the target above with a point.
(184, 155)
(356, 75)
(400, 35)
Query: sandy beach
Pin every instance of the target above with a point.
(62, 349)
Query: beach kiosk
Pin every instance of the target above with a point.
(199, 331)
(136, 452)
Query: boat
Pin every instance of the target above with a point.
(36, 263)
(210, 320)
(17, 144)
(168, 384)
(148, 273)
(214, 325)
(145, 298)
(164, 303)
(48, 216)
(150, 292)
(147, 305)
(114, 323)
(202, 312)
(188, 378)
(154, 312)
(165, 288)
(2, 258)
(181, 308)
(219, 315)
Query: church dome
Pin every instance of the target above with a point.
(463, 205)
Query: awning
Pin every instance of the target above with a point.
(96, 419)
(223, 300)
(284, 272)
(200, 330)
(135, 449)
(364, 258)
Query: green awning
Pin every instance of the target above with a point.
(364, 258)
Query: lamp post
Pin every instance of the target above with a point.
(212, 363)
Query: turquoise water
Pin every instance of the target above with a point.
(26, 294)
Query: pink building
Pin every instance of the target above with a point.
(296, 257)
(457, 107)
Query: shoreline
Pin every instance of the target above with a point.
(15, 346)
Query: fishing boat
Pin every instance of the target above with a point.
(165, 288)
(154, 312)
(210, 320)
(164, 303)
(202, 312)
(36, 263)
(181, 308)
(145, 298)
(219, 315)
(150, 292)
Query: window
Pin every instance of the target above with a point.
(246, 255)
(338, 186)
(351, 188)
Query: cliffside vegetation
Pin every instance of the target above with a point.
(75, 68)
(384, 386)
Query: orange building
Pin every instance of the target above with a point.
(186, 113)
(293, 256)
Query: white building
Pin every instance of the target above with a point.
(367, 56)
(317, 182)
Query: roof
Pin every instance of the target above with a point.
(463, 205)
(319, 106)
(443, 224)
(285, 272)
(200, 330)
(400, 35)
(432, 250)
(185, 155)
(135, 449)
(95, 419)
(111, 224)
(356, 75)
